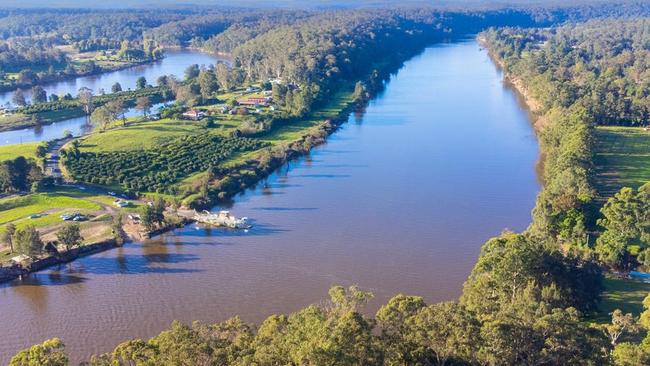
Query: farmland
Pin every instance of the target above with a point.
(622, 158)
(46, 206)
(9, 152)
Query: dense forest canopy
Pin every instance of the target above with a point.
(601, 65)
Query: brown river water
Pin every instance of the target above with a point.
(399, 200)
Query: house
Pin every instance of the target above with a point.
(194, 114)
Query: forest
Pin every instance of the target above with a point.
(583, 76)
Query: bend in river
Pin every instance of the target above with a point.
(174, 63)
(399, 200)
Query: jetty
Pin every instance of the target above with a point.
(222, 219)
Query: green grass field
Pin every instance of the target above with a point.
(19, 209)
(139, 136)
(626, 295)
(622, 158)
(9, 152)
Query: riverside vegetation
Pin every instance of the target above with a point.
(530, 295)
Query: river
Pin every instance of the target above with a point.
(399, 200)
(174, 63)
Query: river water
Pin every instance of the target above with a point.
(174, 63)
(399, 200)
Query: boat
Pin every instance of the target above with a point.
(222, 219)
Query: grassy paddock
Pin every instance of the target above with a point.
(622, 158)
(139, 136)
(10, 152)
(18, 209)
(624, 294)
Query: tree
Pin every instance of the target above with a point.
(162, 80)
(621, 324)
(102, 116)
(223, 76)
(191, 72)
(38, 95)
(48, 353)
(446, 331)
(208, 83)
(86, 99)
(41, 150)
(626, 219)
(141, 83)
(117, 230)
(153, 214)
(628, 354)
(147, 217)
(644, 319)
(395, 320)
(359, 92)
(185, 95)
(143, 104)
(116, 88)
(19, 98)
(510, 263)
(70, 236)
(8, 235)
(28, 241)
(117, 109)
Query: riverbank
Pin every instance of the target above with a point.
(34, 116)
(123, 65)
(385, 204)
(13, 271)
(518, 85)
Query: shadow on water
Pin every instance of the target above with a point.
(46, 279)
(73, 273)
(285, 208)
(344, 166)
(323, 176)
(281, 185)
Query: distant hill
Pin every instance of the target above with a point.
(311, 4)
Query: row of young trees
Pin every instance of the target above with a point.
(28, 241)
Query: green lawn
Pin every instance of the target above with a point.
(139, 136)
(9, 152)
(622, 158)
(623, 294)
(18, 209)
